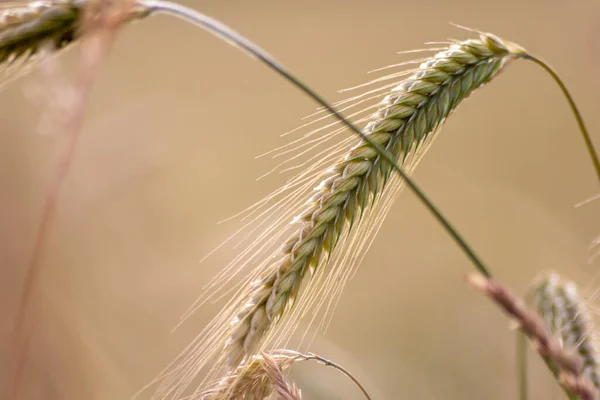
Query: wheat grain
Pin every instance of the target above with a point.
(568, 319)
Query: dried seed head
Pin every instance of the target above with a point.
(568, 319)
(283, 388)
(262, 378)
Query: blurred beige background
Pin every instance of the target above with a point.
(175, 121)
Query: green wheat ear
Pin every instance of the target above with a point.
(568, 319)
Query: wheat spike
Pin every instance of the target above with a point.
(406, 117)
(333, 231)
(568, 319)
(24, 29)
(346, 208)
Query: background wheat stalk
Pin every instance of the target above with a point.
(25, 31)
(566, 317)
(565, 363)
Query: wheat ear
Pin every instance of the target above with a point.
(415, 109)
(26, 29)
(567, 318)
(347, 195)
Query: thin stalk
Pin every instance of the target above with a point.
(219, 29)
(584, 132)
(329, 363)
(522, 365)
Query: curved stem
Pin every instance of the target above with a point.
(584, 132)
(224, 32)
(329, 363)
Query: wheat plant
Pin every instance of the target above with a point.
(302, 262)
(349, 201)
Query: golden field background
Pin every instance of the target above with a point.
(167, 151)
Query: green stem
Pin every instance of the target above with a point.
(217, 28)
(522, 365)
(584, 132)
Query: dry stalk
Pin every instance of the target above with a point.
(565, 364)
(97, 27)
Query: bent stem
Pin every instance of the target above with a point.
(329, 363)
(229, 35)
(574, 109)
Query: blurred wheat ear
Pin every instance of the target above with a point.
(27, 28)
(567, 318)
(565, 363)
